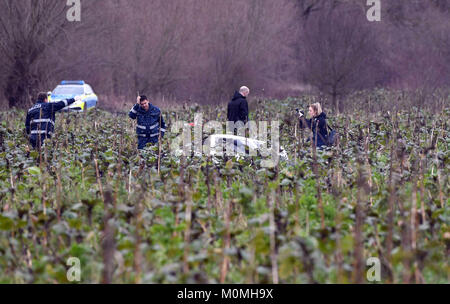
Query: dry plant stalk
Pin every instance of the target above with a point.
(99, 181)
(137, 250)
(108, 244)
(187, 232)
(159, 142)
(392, 185)
(226, 247)
(58, 192)
(318, 187)
(219, 199)
(361, 205)
(273, 249)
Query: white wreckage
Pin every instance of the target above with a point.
(220, 145)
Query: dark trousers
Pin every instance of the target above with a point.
(143, 141)
(37, 142)
(320, 145)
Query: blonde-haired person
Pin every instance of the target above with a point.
(317, 123)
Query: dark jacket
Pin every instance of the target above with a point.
(319, 123)
(41, 118)
(148, 124)
(238, 109)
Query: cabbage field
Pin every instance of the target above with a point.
(130, 217)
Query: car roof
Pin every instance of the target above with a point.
(68, 82)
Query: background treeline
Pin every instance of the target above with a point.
(201, 50)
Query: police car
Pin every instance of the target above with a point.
(72, 88)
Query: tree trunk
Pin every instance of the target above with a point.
(16, 90)
(335, 102)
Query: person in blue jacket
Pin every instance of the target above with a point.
(40, 121)
(150, 123)
(317, 124)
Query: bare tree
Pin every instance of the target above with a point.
(338, 50)
(28, 29)
(156, 40)
(307, 7)
(203, 49)
(417, 37)
(244, 42)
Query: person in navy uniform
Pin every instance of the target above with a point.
(40, 121)
(150, 123)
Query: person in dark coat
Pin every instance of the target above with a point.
(317, 124)
(238, 106)
(40, 121)
(150, 123)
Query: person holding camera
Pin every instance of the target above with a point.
(317, 123)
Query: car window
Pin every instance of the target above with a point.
(89, 89)
(68, 90)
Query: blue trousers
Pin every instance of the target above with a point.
(143, 141)
(37, 142)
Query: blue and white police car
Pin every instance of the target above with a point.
(74, 88)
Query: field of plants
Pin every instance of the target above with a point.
(382, 192)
